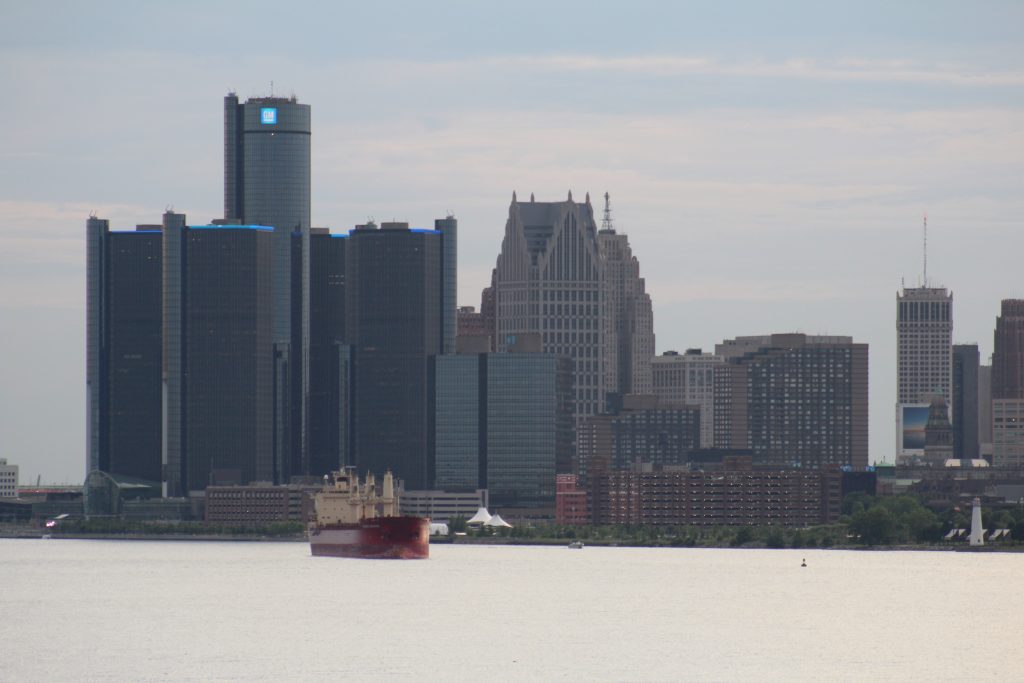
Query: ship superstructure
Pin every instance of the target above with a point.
(353, 519)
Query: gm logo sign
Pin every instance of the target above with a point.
(268, 116)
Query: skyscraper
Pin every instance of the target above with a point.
(395, 312)
(966, 362)
(1008, 351)
(1008, 385)
(796, 402)
(124, 349)
(629, 319)
(219, 355)
(924, 361)
(328, 446)
(581, 292)
(503, 421)
(267, 182)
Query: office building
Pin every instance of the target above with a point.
(328, 355)
(796, 403)
(688, 379)
(1008, 351)
(924, 360)
(581, 292)
(966, 407)
(267, 183)
(219, 356)
(395, 311)
(123, 350)
(628, 339)
(1008, 432)
(985, 410)
(503, 422)
(1008, 385)
(8, 479)
(643, 432)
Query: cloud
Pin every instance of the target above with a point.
(842, 70)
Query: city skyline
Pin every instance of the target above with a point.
(766, 186)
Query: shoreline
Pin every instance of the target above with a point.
(463, 540)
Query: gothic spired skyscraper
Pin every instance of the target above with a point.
(267, 182)
(581, 292)
(629, 319)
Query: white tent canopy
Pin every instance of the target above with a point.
(496, 520)
(482, 516)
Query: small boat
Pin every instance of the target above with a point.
(576, 545)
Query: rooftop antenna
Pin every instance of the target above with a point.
(271, 88)
(606, 222)
(926, 250)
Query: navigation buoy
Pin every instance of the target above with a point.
(803, 563)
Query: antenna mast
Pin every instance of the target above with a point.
(606, 222)
(926, 249)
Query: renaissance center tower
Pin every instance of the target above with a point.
(267, 182)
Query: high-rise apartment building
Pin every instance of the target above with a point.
(395, 321)
(219, 356)
(581, 294)
(504, 422)
(123, 349)
(966, 361)
(796, 403)
(267, 182)
(688, 379)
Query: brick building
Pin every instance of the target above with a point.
(738, 495)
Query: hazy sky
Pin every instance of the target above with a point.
(770, 162)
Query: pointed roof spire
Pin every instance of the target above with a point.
(531, 196)
(570, 195)
(513, 196)
(588, 197)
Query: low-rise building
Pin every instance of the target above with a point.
(570, 501)
(8, 479)
(737, 495)
(257, 504)
(442, 506)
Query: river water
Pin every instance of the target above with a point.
(74, 610)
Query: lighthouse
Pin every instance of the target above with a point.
(977, 533)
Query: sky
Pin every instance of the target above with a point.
(770, 162)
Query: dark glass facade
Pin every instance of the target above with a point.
(460, 435)
(326, 333)
(124, 350)
(966, 363)
(218, 318)
(393, 291)
(504, 422)
(267, 182)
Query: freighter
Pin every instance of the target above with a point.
(353, 520)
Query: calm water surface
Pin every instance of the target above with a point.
(182, 611)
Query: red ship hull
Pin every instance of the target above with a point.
(383, 538)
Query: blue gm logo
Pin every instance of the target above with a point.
(268, 116)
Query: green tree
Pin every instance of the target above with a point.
(874, 526)
(775, 539)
